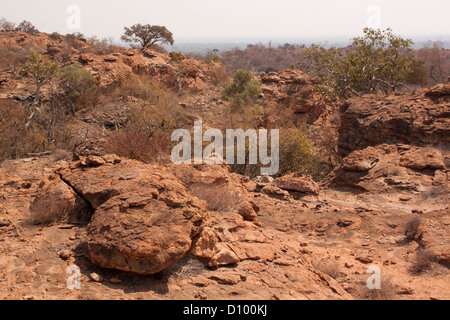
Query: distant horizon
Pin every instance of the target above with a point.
(251, 20)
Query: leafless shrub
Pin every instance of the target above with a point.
(60, 154)
(12, 58)
(434, 192)
(184, 268)
(7, 25)
(134, 144)
(99, 43)
(412, 227)
(218, 197)
(217, 75)
(423, 261)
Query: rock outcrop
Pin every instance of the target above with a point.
(421, 118)
(293, 90)
(392, 167)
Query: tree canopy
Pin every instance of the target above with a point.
(147, 35)
(379, 61)
(243, 90)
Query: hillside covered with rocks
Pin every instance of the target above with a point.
(88, 182)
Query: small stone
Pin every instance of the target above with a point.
(404, 290)
(4, 222)
(72, 237)
(405, 198)
(65, 254)
(26, 185)
(94, 161)
(348, 265)
(115, 281)
(364, 260)
(96, 277)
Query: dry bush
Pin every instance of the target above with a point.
(60, 154)
(423, 261)
(16, 138)
(99, 44)
(12, 58)
(387, 290)
(47, 212)
(217, 75)
(7, 25)
(184, 268)
(75, 40)
(136, 145)
(329, 267)
(412, 227)
(295, 151)
(159, 111)
(218, 197)
(434, 192)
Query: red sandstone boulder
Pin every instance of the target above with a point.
(297, 182)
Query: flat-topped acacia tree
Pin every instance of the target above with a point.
(147, 35)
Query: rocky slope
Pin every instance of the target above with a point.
(109, 65)
(141, 231)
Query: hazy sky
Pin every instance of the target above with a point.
(237, 18)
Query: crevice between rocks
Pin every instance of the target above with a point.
(90, 207)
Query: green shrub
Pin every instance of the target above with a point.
(212, 58)
(295, 151)
(242, 91)
(77, 83)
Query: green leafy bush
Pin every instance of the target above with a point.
(242, 91)
(77, 83)
(379, 61)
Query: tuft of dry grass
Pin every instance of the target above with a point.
(387, 290)
(329, 267)
(217, 197)
(434, 192)
(46, 212)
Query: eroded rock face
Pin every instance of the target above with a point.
(294, 90)
(420, 118)
(392, 167)
(229, 239)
